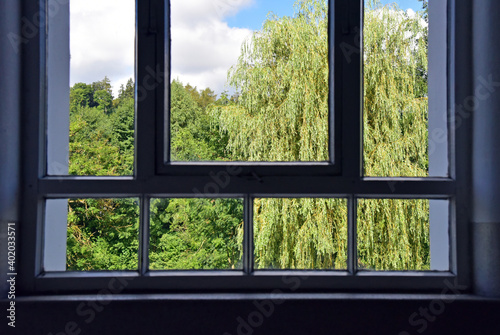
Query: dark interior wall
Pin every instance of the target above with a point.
(259, 315)
(486, 147)
(10, 65)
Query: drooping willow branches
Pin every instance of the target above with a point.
(282, 115)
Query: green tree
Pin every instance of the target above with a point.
(101, 136)
(195, 233)
(282, 115)
(98, 94)
(102, 234)
(395, 93)
(103, 85)
(123, 125)
(279, 113)
(104, 100)
(194, 137)
(394, 234)
(80, 95)
(127, 91)
(203, 98)
(282, 76)
(185, 233)
(207, 97)
(90, 149)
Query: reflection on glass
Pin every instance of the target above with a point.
(196, 234)
(248, 85)
(304, 233)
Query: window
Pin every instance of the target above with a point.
(341, 184)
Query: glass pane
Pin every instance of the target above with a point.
(196, 234)
(396, 234)
(91, 117)
(91, 234)
(305, 233)
(405, 113)
(250, 80)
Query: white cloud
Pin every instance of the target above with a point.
(412, 14)
(188, 12)
(102, 41)
(203, 45)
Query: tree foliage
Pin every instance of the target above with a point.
(279, 113)
(394, 234)
(195, 234)
(185, 233)
(395, 108)
(102, 234)
(282, 77)
(282, 114)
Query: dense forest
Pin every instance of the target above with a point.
(280, 113)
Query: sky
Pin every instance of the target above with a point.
(207, 41)
(206, 37)
(405, 4)
(102, 41)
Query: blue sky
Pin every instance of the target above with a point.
(405, 4)
(252, 16)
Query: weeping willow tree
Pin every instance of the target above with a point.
(300, 233)
(282, 77)
(282, 115)
(395, 91)
(394, 234)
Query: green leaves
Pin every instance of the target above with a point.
(393, 234)
(395, 93)
(195, 233)
(303, 233)
(95, 148)
(81, 95)
(279, 113)
(194, 135)
(282, 115)
(104, 100)
(102, 234)
(282, 76)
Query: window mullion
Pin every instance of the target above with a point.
(248, 256)
(144, 235)
(348, 83)
(149, 88)
(351, 234)
(282, 186)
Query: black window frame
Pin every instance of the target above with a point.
(157, 177)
